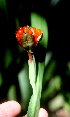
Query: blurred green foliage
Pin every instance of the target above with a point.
(53, 49)
(40, 23)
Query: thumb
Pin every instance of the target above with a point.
(42, 113)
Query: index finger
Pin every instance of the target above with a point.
(10, 109)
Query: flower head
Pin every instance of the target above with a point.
(28, 37)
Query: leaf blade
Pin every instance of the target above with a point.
(34, 106)
(40, 22)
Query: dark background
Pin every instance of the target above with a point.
(13, 58)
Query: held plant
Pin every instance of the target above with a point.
(28, 38)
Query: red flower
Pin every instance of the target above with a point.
(28, 37)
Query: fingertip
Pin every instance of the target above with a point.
(15, 105)
(42, 113)
(10, 108)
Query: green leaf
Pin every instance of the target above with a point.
(40, 22)
(40, 77)
(49, 71)
(34, 103)
(54, 85)
(12, 93)
(32, 72)
(56, 103)
(34, 106)
(3, 6)
(25, 87)
(8, 58)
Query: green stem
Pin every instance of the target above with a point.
(40, 77)
(32, 73)
(34, 103)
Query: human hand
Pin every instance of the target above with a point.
(10, 109)
(13, 108)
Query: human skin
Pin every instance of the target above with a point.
(10, 109)
(13, 108)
